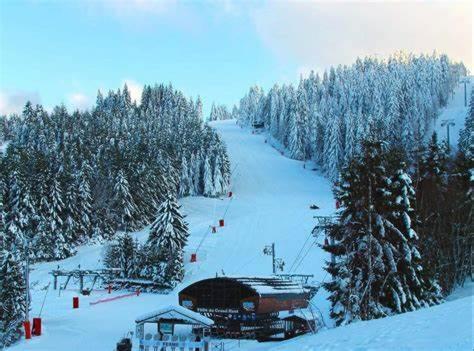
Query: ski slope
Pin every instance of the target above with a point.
(440, 328)
(271, 200)
(456, 110)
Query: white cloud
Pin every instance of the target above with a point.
(135, 89)
(79, 101)
(320, 34)
(13, 102)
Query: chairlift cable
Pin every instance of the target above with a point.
(304, 256)
(299, 253)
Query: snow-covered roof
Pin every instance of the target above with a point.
(271, 285)
(303, 313)
(175, 312)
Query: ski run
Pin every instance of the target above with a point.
(271, 202)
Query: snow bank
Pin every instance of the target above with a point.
(444, 327)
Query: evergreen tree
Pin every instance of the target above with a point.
(169, 231)
(123, 253)
(432, 208)
(2, 215)
(167, 238)
(208, 181)
(85, 206)
(60, 243)
(81, 176)
(377, 271)
(124, 205)
(186, 181)
(12, 298)
(466, 136)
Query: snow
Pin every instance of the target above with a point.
(175, 312)
(444, 327)
(270, 285)
(3, 147)
(270, 203)
(455, 110)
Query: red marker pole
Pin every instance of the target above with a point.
(36, 326)
(27, 327)
(75, 302)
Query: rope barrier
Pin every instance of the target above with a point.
(44, 299)
(227, 208)
(92, 303)
(203, 238)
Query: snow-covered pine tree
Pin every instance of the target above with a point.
(20, 215)
(169, 231)
(185, 183)
(124, 206)
(61, 244)
(294, 138)
(213, 114)
(12, 297)
(85, 206)
(218, 178)
(458, 244)
(225, 169)
(377, 271)
(166, 240)
(333, 145)
(123, 253)
(466, 136)
(432, 208)
(209, 189)
(2, 214)
(72, 213)
(412, 287)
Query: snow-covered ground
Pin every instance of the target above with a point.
(272, 195)
(444, 327)
(455, 110)
(271, 200)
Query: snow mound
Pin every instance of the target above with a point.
(444, 327)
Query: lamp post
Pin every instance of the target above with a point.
(277, 263)
(447, 123)
(465, 80)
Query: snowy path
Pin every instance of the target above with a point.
(445, 327)
(271, 202)
(455, 110)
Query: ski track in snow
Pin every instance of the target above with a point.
(272, 195)
(455, 110)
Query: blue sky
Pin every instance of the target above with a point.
(55, 51)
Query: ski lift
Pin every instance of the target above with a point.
(280, 264)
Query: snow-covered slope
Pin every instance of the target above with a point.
(444, 327)
(271, 202)
(455, 110)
